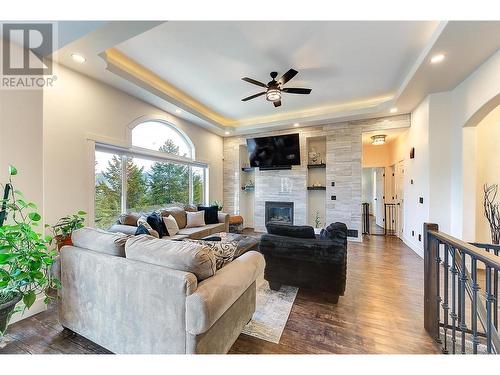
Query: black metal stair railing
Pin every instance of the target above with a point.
(461, 293)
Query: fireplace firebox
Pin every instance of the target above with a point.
(279, 212)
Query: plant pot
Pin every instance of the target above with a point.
(63, 241)
(6, 311)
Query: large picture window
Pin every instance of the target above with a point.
(137, 180)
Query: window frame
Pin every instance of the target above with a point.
(104, 145)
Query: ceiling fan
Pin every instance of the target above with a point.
(275, 88)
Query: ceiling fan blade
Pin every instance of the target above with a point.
(277, 103)
(293, 90)
(287, 76)
(250, 80)
(253, 96)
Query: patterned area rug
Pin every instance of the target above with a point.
(272, 311)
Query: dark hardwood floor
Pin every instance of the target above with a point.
(381, 312)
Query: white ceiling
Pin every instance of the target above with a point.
(341, 61)
(346, 64)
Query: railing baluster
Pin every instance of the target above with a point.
(446, 308)
(463, 280)
(454, 316)
(495, 295)
(475, 288)
(489, 300)
(438, 295)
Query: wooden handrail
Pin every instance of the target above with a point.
(489, 259)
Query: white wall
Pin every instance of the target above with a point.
(77, 106)
(367, 188)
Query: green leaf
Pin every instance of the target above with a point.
(12, 170)
(33, 206)
(29, 298)
(35, 216)
(81, 213)
(4, 258)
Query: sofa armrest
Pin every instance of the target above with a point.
(309, 250)
(217, 293)
(224, 218)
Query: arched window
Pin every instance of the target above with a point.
(161, 136)
(136, 180)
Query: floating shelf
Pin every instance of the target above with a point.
(248, 169)
(247, 189)
(316, 188)
(312, 166)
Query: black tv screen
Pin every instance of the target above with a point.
(277, 151)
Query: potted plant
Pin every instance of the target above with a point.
(219, 205)
(25, 258)
(65, 226)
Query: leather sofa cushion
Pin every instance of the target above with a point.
(179, 255)
(178, 213)
(197, 232)
(216, 228)
(100, 241)
(129, 218)
(296, 231)
(120, 228)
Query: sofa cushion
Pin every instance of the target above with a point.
(100, 241)
(171, 225)
(335, 232)
(195, 219)
(120, 228)
(178, 213)
(195, 232)
(156, 222)
(129, 218)
(296, 231)
(210, 214)
(178, 255)
(223, 251)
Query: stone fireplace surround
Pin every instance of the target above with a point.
(343, 166)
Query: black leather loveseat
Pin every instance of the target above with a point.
(295, 256)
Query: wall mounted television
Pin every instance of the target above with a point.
(275, 152)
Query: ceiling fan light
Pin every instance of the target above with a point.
(378, 139)
(273, 95)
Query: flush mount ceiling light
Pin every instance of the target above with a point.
(78, 58)
(393, 110)
(437, 58)
(296, 125)
(378, 139)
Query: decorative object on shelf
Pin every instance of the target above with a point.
(217, 203)
(378, 139)
(317, 184)
(412, 153)
(249, 186)
(25, 259)
(317, 221)
(315, 157)
(492, 211)
(65, 226)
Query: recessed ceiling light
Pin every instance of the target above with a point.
(227, 133)
(178, 110)
(393, 110)
(78, 58)
(296, 124)
(437, 58)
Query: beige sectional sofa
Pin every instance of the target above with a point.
(126, 224)
(135, 306)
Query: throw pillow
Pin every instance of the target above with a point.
(144, 221)
(141, 229)
(171, 224)
(223, 251)
(178, 213)
(156, 222)
(195, 219)
(177, 255)
(296, 231)
(211, 214)
(129, 219)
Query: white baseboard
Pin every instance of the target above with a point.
(38, 306)
(414, 246)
